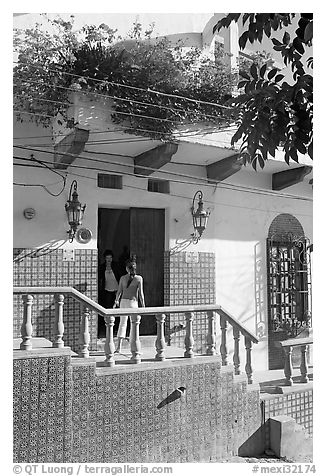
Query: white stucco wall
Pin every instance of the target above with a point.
(236, 231)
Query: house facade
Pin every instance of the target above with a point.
(253, 259)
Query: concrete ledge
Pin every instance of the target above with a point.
(42, 352)
(126, 366)
(288, 439)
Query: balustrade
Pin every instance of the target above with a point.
(223, 348)
(109, 342)
(160, 341)
(27, 327)
(288, 346)
(189, 339)
(211, 335)
(84, 336)
(58, 326)
(134, 339)
(109, 315)
(236, 354)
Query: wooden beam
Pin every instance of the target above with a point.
(290, 177)
(70, 147)
(154, 158)
(224, 168)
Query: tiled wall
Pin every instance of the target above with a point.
(124, 424)
(189, 279)
(298, 405)
(49, 269)
(130, 415)
(42, 409)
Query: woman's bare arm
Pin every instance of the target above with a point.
(119, 292)
(141, 292)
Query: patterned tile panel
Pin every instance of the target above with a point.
(33, 269)
(189, 283)
(298, 405)
(42, 409)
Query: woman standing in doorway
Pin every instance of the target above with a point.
(109, 276)
(130, 290)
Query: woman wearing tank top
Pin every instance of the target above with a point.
(130, 290)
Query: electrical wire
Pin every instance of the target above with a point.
(152, 169)
(128, 128)
(74, 174)
(223, 185)
(40, 185)
(56, 172)
(87, 93)
(142, 116)
(148, 90)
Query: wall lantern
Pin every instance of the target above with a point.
(199, 217)
(74, 210)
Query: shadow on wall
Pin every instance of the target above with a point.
(178, 392)
(181, 245)
(260, 292)
(255, 445)
(43, 250)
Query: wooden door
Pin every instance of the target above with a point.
(147, 233)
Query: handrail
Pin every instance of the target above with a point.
(160, 312)
(295, 342)
(128, 311)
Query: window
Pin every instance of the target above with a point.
(159, 186)
(109, 181)
(289, 282)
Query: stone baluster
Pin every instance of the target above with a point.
(223, 348)
(211, 338)
(134, 339)
(248, 366)
(236, 354)
(303, 366)
(84, 336)
(189, 338)
(288, 369)
(26, 327)
(160, 340)
(58, 326)
(109, 342)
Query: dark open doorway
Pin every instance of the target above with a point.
(135, 232)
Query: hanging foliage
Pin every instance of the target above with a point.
(273, 113)
(95, 60)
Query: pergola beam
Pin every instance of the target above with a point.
(70, 147)
(224, 168)
(290, 177)
(154, 158)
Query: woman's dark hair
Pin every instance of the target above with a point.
(131, 266)
(108, 253)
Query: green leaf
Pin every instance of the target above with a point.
(297, 43)
(244, 74)
(243, 40)
(242, 84)
(261, 161)
(263, 70)
(294, 154)
(253, 71)
(308, 33)
(310, 150)
(272, 73)
(276, 42)
(286, 38)
(267, 29)
(278, 78)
